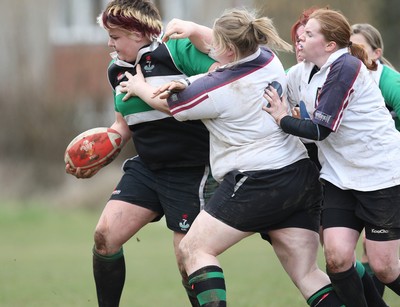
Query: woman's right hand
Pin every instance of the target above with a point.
(81, 174)
(177, 29)
(166, 90)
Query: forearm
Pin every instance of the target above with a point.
(201, 38)
(304, 128)
(122, 127)
(146, 93)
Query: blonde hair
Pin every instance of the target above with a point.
(373, 38)
(242, 31)
(132, 15)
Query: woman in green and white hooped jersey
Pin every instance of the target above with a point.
(170, 176)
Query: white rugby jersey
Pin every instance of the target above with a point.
(363, 151)
(229, 101)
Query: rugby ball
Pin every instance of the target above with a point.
(93, 148)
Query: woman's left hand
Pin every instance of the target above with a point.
(277, 108)
(134, 82)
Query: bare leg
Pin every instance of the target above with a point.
(117, 224)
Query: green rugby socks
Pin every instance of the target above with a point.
(324, 297)
(209, 286)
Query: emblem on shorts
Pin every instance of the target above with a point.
(184, 225)
(116, 192)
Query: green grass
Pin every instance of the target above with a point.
(45, 261)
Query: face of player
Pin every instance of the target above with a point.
(312, 44)
(359, 39)
(297, 47)
(126, 44)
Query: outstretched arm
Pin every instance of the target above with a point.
(200, 36)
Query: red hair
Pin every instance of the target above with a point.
(301, 21)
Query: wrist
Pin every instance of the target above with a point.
(279, 117)
(185, 81)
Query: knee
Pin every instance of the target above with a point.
(338, 260)
(102, 244)
(384, 270)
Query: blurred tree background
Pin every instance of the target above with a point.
(53, 83)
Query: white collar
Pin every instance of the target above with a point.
(243, 60)
(153, 46)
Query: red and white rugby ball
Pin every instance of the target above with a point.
(93, 148)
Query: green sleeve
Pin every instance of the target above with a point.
(389, 84)
(188, 58)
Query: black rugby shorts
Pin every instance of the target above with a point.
(178, 193)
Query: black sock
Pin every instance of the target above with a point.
(209, 286)
(325, 297)
(109, 275)
(372, 295)
(395, 285)
(191, 294)
(348, 287)
(380, 286)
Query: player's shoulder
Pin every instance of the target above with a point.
(176, 44)
(388, 71)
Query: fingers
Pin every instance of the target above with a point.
(164, 93)
(296, 112)
(81, 174)
(127, 95)
(271, 95)
(77, 172)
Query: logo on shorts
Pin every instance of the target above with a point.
(184, 225)
(379, 231)
(116, 192)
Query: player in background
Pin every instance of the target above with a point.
(267, 183)
(388, 80)
(386, 76)
(359, 150)
(170, 175)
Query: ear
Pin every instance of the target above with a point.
(230, 52)
(331, 46)
(137, 36)
(377, 53)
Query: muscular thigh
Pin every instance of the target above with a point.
(118, 222)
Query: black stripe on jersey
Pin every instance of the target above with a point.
(334, 94)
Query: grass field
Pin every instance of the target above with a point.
(45, 261)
